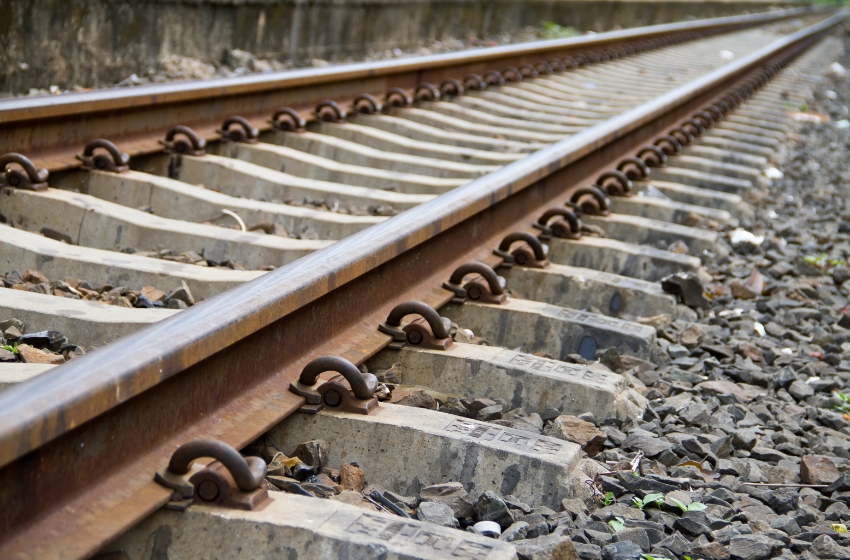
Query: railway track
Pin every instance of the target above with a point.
(363, 189)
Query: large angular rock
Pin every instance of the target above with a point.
(688, 287)
(753, 547)
(490, 507)
(451, 494)
(550, 547)
(636, 535)
(800, 390)
(32, 355)
(624, 550)
(569, 428)
(818, 470)
(515, 532)
(436, 513)
(651, 446)
(824, 547)
(351, 478)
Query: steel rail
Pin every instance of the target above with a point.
(50, 129)
(79, 445)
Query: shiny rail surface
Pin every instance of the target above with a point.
(79, 444)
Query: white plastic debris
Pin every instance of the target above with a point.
(842, 124)
(652, 192)
(837, 70)
(787, 352)
(233, 215)
(772, 215)
(812, 379)
(488, 528)
(759, 328)
(773, 173)
(727, 55)
(731, 313)
(741, 235)
(801, 116)
(829, 94)
(465, 335)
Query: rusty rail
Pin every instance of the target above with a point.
(50, 130)
(79, 445)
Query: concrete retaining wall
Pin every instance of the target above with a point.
(96, 42)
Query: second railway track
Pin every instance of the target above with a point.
(582, 172)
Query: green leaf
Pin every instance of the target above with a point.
(696, 506)
(638, 502)
(13, 349)
(681, 506)
(608, 499)
(618, 524)
(653, 498)
(551, 30)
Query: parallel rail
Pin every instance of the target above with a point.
(79, 445)
(50, 131)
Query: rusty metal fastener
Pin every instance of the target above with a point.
(570, 62)
(704, 118)
(230, 481)
(669, 144)
(590, 200)
(113, 160)
(543, 67)
(397, 97)
(653, 156)
(694, 126)
(287, 120)
(366, 104)
(568, 226)
(349, 391)
(557, 66)
(329, 111)
(473, 82)
(615, 182)
(428, 331)
(715, 111)
(494, 78)
(243, 133)
(527, 71)
(30, 178)
(450, 86)
(487, 288)
(710, 114)
(191, 145)
(634, 168)
(521, 256)
(511, 74)
(683, 136)
(426, 92)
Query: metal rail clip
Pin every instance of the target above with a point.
(231, 481)
(428, 331)
(349, 391)
(486, 288)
